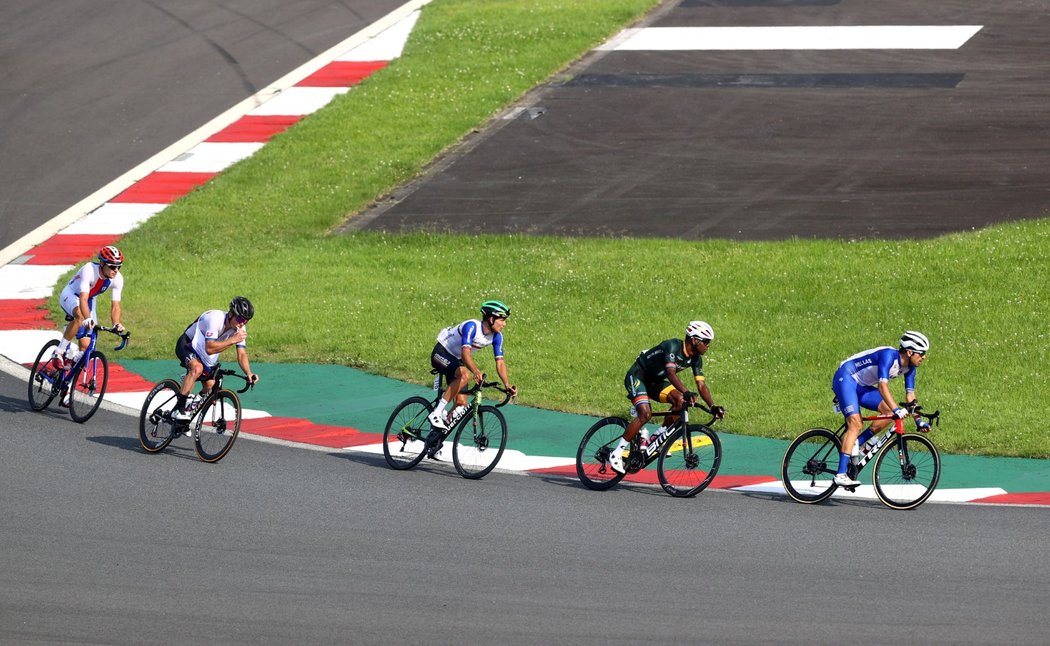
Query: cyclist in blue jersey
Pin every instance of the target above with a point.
(453, 357)
(863, 381)
(654, 375)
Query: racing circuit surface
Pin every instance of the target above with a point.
(103, 543)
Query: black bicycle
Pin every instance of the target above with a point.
(687, 455)
(480, 435)
(907, 465)
(80, 386)
(214, 424)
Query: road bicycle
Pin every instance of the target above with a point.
(907, 465)
(480, 434)
(81, 386)
(214, 424)
(687, 455)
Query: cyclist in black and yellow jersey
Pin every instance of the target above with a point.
(654, 375)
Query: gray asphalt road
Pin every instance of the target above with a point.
(90, 89)
(101, 543)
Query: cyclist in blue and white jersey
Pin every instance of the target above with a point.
(78, 302)
(863, 381)
(199, 347)
(453, 357)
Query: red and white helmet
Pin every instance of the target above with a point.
(111, 256)
(700, 330)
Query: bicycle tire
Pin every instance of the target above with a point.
(156, 429)
(216, 425)
(907, 485)
(592, 457)
(810, 464)
(42, 388)
(689, 460)
(404, 438)
(479, 442)
(87, 388)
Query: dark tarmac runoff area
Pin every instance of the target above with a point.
(764, 145)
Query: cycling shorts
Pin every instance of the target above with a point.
(852, 396)
(184, 351)
(444, 362)
(640, 392)
(70, 301)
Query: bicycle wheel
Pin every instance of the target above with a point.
(156, 429)
(689, 460)
(404, 438)
(810, 465)
(42, 386)
(592, 458)
(479, 443)
(87, 386)
(216, 425)
(907, 471)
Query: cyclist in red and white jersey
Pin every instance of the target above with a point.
(199, 347)
(453, 357)
(78, 302)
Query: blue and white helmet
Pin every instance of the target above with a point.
(915, 341)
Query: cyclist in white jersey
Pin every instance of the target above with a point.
(452, 357)
(862, 381)
(199, 347)
(78, 302)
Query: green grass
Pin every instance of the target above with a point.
(784, 313)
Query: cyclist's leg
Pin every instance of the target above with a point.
(451, 367)
(846, 390)
(195, 368)
(638, 394)
(671, 395)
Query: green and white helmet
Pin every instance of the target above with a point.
(495, 308)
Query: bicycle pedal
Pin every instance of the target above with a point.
(851, 489)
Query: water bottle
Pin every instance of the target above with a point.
(193, 404)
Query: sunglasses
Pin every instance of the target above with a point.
(113, 267)
(240, 320)
(704, 341)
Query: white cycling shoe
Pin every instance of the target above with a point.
(843, 480)
(616, 462)
(437, 419)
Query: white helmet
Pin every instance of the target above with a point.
(700, 330)
(917, 341)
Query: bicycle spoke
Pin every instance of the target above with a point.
(810, 465)
(404, 439)
(156, 429)
(689, 461)
(592, 458)
(479, 442)
(216, 425)
(907, 471)
(87, 387)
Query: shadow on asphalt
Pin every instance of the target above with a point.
(133, 445)
(441, 467)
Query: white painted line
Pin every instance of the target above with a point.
(298, 101)
(125, 181)
(30, 281)
(22, 346)
(386, 46)
(114, 218)
(209, 157)
(792, 38)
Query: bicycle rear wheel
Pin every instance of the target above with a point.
(404, 438)
(689, 460)
(479, 443)
(87, 386)
(592, 458)
(42, 386)
(907, 471)
(810, 465)
(216, 425)
(156, 428)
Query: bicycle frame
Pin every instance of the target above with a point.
(897, 428)
(651, 451)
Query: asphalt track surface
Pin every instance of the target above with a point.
(765, 145)
(91, 89)
(102, 543)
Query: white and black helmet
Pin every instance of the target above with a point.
(700, 330)
(916, 341)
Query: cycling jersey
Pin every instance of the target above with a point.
(856, 381)
(651, 365)
(469, 334)
(89, 279)
(209, 327)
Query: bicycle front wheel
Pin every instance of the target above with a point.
(156, 428)
(592, 458)
(87, 387)
(405, 435)
(479, 443)
(907, 471)
(43, 386)
(810, 465)
(216, 425)
(689, 460)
